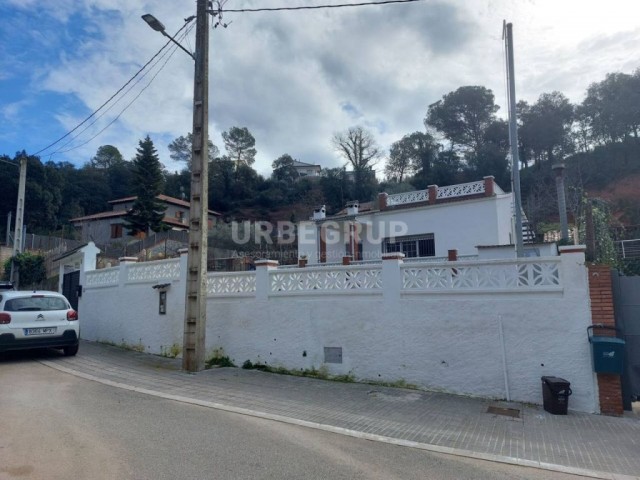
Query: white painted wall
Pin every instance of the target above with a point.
(123, 311)
(446, 339)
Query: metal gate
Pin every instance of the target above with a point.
(70, 283)
(626, 296)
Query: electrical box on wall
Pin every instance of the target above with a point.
(332, 354)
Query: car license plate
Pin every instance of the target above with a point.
(40, 331)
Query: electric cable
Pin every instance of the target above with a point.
(159, 59)
(315, 7)
(175, 48)
(114, 95)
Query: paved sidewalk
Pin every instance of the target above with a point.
(583, 444)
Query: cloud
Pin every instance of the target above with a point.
(293, 78)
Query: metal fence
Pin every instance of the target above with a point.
(628, 248)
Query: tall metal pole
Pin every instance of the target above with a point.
(8, 239)
(195, 303)
(562, 203)
(18, 234)
(513, 140)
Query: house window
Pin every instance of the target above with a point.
(412, 246)
(116, 230)
(179, 215)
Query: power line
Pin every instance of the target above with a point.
(316, 7)
(112, 96)
(169, 52)
(126, 106)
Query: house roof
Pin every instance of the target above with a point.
(164, 198)
(120, 213)
(363, 208)
(369, 207)
(297, 163)
(100, 216)
(68, 253)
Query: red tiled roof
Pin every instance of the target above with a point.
(97, 216)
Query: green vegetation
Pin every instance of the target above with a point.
(219, 359)
(320, 373)
(31, 268)
(172, 351)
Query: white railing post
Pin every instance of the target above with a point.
(392, 276)
(574, 272)
(263, 282)
(124, 269)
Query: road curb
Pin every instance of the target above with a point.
(344, 431)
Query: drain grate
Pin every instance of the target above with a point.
(507, 412)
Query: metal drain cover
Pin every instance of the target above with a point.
(507, 412)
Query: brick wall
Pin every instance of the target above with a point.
(609, 386)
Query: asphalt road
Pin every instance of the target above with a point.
(57, 426)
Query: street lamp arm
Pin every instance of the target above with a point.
(178, 44)
(158, 26)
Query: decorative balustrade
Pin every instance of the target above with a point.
(408, 197)
(350, 279)
(231, 284)
(438, 259)
(102, 278)
(154, 271)
(418, 277)
(496, 275)
(461, 190)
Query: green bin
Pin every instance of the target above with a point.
(607, 352)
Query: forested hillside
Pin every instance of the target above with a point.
(462, 139)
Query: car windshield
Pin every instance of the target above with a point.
(34, 304)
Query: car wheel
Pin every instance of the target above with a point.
(70, 351)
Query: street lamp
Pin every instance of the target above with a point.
(157, 25)
(193, 350)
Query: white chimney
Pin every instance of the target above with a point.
(320, 213)
(352, 207)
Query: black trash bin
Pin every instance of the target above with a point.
(555, 395)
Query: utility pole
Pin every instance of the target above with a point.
(17, 237)
(193, 351)
(513, 139)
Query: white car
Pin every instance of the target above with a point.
(37, 319)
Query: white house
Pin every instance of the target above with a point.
(424, 223)
(307, 169)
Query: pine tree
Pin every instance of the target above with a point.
(147, 212)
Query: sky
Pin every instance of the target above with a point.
(294, 79)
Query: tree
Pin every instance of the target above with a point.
(358, 147)
(181, 150)
(221, 180)
(415, 152)
(283, 169)
(336, 188)
(612, 107)
(147, 212)
(106, 157)
(463, 116)
(446, 170)
(31, 268)
(545, 130)
(491, 159)
(240, 145)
